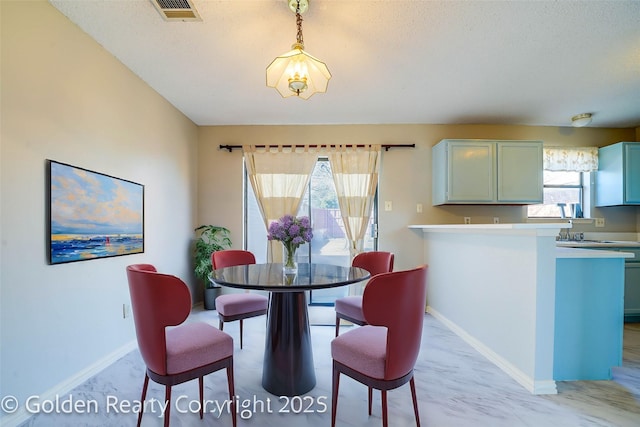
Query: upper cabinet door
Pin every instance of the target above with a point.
(520, 177)
(471, 172)
(618, 177)
(632, 173)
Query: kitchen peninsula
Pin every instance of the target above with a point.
(495, 286)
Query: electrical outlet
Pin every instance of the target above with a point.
(467, 220)
(599, 222)
(126, 311)
(419, 208)
(496, 220)
(388, 206)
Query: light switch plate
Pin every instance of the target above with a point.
(388, 206)
(599, 222)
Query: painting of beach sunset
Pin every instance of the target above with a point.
(93, 215)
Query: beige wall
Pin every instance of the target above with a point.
(405, 178)
(65, 98)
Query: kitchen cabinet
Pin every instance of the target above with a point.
(631, 285)
(631, 273)
(588, 333)
(632, 291)
(486, 172)
(618, 176)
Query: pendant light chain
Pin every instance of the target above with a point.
(299, 38)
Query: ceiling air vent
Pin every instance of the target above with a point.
(177, 10)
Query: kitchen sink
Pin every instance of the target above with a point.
(584, 241)
(587, 242)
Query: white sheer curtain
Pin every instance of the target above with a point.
(573, 159)
(355, 174)
(279, 177)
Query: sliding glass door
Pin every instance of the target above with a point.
(329, 244)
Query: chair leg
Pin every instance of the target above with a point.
(370, 399)
(220, 324)
(167, 401)
(412, 384)
(144, 395)
(334, 394)
(385, 421)
(337, 325)
(241, 324)
(232, 393)
(201, 390)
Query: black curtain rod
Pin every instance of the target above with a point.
(385, 146)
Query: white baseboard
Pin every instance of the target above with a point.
(533, 386)
(64, 387)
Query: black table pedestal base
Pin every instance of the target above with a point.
(288, 368)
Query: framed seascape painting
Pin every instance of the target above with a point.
(92, 215)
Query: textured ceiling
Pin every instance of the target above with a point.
(435, 62)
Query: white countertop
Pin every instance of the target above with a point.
(516, 229)
(517, 226)
(565, 252)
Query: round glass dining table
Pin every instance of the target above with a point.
(288, 368)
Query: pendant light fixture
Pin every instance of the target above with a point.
(296, 73)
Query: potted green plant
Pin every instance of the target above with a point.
(211, 238)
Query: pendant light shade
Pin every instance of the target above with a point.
(297, 73)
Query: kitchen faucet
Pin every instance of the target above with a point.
(565, 235)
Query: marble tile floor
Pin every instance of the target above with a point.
(456, 386)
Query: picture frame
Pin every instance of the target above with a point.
(92, 215)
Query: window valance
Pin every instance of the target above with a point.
(572, 159)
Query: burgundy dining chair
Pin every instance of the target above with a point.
(350, 307)
(173, 351)
(237, 306)
(382, 354)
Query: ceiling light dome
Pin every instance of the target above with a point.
(581, 120)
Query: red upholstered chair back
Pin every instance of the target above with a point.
(397, 300)
(231, 257)
(374, 262)
(157, 301)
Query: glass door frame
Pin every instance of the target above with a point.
(260, 255)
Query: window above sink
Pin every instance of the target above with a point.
(565, 195)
